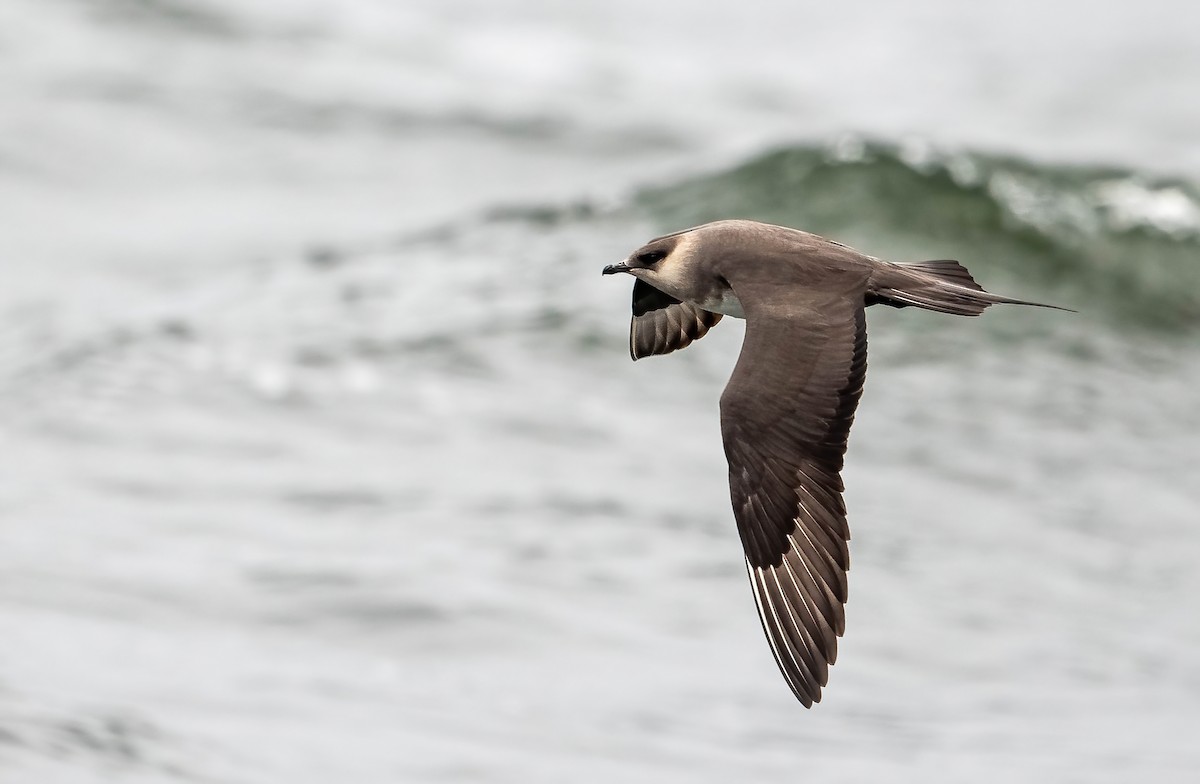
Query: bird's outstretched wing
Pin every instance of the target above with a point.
(662, 324)
(785, 418)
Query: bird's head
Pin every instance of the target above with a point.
(688, 264)
(669, 264)
(647, 260)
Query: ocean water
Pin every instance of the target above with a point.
(322, 457)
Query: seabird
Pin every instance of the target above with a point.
(787, 409)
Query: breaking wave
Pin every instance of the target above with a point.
(1104, 238)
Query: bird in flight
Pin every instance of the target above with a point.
(787, 409)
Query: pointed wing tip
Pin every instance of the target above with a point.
(808, 699)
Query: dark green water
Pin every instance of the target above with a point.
(1117, 244)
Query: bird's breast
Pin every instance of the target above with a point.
(723, 301)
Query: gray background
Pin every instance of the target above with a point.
(322, 459)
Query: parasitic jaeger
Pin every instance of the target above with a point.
(787, 409)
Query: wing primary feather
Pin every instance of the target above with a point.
(824, 603)
(831, 543)
(795, 672)
(829, 633)
(771, 633)
(821, 643)
(819, 562)
(798, 637)
(829, 604)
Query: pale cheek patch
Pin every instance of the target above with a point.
(672, 274)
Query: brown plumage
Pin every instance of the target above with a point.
(662, 323)
(787, 409)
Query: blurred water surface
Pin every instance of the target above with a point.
(323, 458)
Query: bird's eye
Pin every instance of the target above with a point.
(651, 256)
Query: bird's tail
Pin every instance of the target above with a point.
(944, 286)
